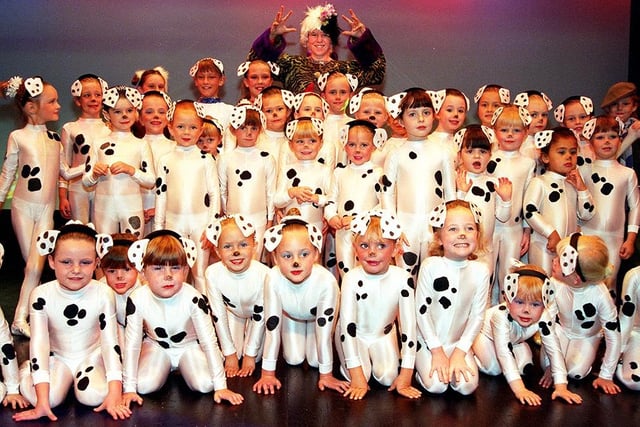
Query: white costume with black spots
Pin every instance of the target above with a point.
(304, 173)
(507, 235)
(159, 145)
(366, 335)
(418, 176)
(354, 189)
(379, 155)
(219, 111)
(237, 304)
(614, 188)
(326, 156)
(483, 194)
(451, 299)
(118, 201)
(77, 139)
(628, 371)
(247, 178)
(164, 334)
(8, 360)
(551, 204)
(36, 154)
(272, 142)
(301, 316)
(501, 346)
(583, 314)
(188, 199)
(73, 342)
(121, 304)
(332, 125)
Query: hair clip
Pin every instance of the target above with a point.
(46, 241)
(503, 93)
(12, 87)
(393, 104)
(194, 68)
(76, 87)
(138, 249)
(273, 235)
(439, 214)
(214, 230)
(569, 262)
(542, 138)
(437, 98)
(287, 98)
(298, 98)
(34, 86)
(111, 96)
(389, 225)
(511, 285)
(292, 126)
(239, 115)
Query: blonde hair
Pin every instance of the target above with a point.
(529, 286)
(436, 248)
(593, 257)
(305, 129)
(510, 117)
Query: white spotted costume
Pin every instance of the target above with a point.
(247, 178)
(73, 342)
(551, 204)
(451, 299)
(164, 334)
(118, 200)
(366, 335)
(237, 304)
(159, 145)
(77, 138)
(36, 154)
(188, 199)
(628, 371)
(8, 360)
(418, 176)
(301, 317)
(354, 189)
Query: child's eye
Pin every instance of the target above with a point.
(86, 262)
(226, 246)
(176, 267)
(382, 246)
(518, 301)
(244, 244)
(65, 261)
(536, 304)
(364, 245)
(305, 254)
(156, 268)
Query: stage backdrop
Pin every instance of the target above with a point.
(564, 48)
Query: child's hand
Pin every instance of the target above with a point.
(563, 393)
(279, 24)
(524, 243)
(122, 167)
(248, 366)
(33, 414)
(462, 184)
(439, 365)
(552, 241)
(228, 395)
(346, 221)
(335, 222)
(527, 397)
(358, 386)
(301, 194)
(149, 214)
(504, 189)
(402, 384)
(268, 383)
(100, 169)
(458, 367)
(65, 208)
(205, 244)
(114, 405)
(357, 27)
(329, 381)
(608, 386)
(628, 246)
(575, 179)
(231, 365)
(129, 398)
(16, 401)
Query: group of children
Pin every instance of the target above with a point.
(387, 249)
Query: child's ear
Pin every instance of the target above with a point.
(76, 101)
(30, 108)
(51, 262)
(544, 157)
(222, 80)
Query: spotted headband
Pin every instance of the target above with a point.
(214, 230)
(138, 249)
(273, 236)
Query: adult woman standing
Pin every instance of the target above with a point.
(319, 33)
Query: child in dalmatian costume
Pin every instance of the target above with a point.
(74, 334)
(573, 113)
(36, 153)
(489, 98)
(336, 89)
(450, 107)
(301, 304)
(305, 183)
(491, 195)
(187, 190)
(501, 346)
(451, 298)
(247, 174)
(120, 166)
(208, 78)
(355, 187)
(119, 274)
(554, 201)
(169, 324)
(538, 105)
(276, 104)
(584, 310)
(9, 389)
(628, 371)
(256, 76)
(418, 176)
(77, 138)
(374, 296)
(614, 189)
(235, 288)
(153, 117)
(510, 238)
(371, 105)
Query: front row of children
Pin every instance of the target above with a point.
(384, 329)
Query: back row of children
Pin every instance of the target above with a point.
(118, 170)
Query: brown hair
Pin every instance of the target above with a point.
(164, 248)
(117, 256)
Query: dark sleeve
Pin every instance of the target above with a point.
(365, 49)
(262, 48)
